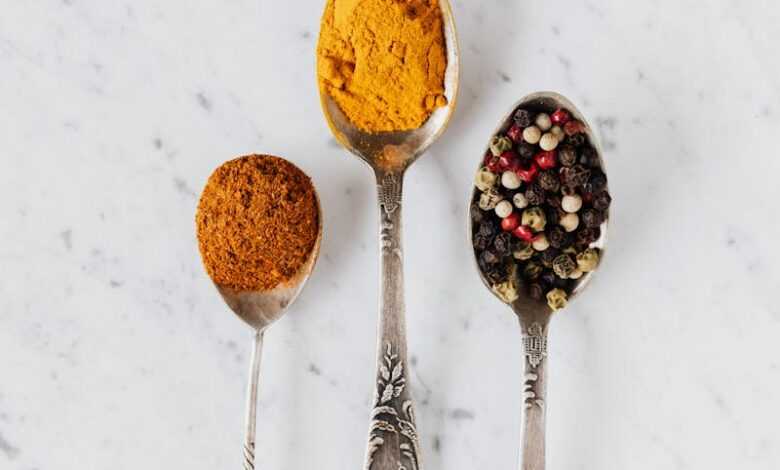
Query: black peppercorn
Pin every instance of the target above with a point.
(589, 157)
(548, 256)
(575, 176)
(524, 118)
(602, 200)
(489, 258)
(549, 180)
(547, 279)
(535, 195)
(535, 291)
(503, 244)
(576, 140)
(476, 214)
(496, 274)
(553, 215)
(564, 265)
(558, 237)
(564, 284)
(587, 235)
(483, 236)
(597, 182)
(592, 218)
(526, 151)
(567, 155)
(553, 200)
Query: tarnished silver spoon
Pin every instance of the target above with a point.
(534, 315)
(393, 440)
(260, 309)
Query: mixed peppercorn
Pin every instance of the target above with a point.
(541, 201)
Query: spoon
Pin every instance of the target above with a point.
(260, 309)
(393, 439)
(534, 315)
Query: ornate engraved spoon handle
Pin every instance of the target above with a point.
(392, 441)
(534, 395)
(251, 402)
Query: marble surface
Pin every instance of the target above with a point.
(116, 352)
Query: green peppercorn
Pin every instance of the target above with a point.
(523, 251)
(557, 299)
(490, 199)
(535, 218)
(588, 260)
(500, 144)
(506, 291)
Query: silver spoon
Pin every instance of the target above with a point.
(260, 309)
(393, 440)
(534, 315)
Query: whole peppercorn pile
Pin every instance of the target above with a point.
(540, 202)
(257, 223)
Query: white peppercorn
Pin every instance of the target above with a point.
(570, 222)
(543, 122)
(532, 135)
(520, 201)
(503, 209)
(510, 180)
(485, 179)
(548, 142)
(541, 243)
(571, 203)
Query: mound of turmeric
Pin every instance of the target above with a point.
(383, 61)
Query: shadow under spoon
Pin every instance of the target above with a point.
(393, 439)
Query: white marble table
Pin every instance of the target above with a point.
(115, 351)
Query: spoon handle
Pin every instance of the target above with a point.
(251, 403)
(392, 441)
(532, 453)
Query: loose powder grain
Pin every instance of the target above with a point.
(257, 223)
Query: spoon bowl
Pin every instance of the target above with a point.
(393, 437)
(546, 101)
(534, 315)
(398, 150)
(260, 309)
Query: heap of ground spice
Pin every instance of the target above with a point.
(257, 223)
(383, 61)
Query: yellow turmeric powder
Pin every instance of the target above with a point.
(383, 61)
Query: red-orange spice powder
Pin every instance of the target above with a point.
(257, 222)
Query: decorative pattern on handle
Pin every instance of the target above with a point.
(390, 201)
(390, 193)
(391, 417)
(249, 456)
(535, 346)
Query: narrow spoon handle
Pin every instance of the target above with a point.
(251, 402)
(392, 441)
(534, 395)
